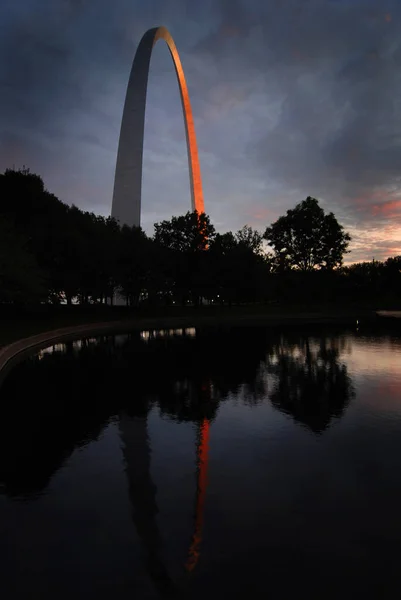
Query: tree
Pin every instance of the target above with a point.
(21, 279)
(75, 249)
(185, 240)
(40, 218)
(188, 233)
(133, 262)
(392, 280)
(96, 241)
(306, 238)
(236, 269)
(250, 238)
(366, 281)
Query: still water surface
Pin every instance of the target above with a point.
(239, 464)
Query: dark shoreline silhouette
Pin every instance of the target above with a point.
(186, 262)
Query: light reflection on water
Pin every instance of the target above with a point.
(118, 340)
(219, 463)
(161, 333)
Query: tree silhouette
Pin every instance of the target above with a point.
(21, 279)
(186, 240)
(60, 252)
(250, 238)
(307, 238)
(237, 271)
(133, 263)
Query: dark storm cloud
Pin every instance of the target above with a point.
(338, 131)
(51, 44)
(290, 97)
(334, 69)
(59, 62)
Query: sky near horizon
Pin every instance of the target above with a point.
(291, 98)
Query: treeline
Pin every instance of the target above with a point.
(52, 253)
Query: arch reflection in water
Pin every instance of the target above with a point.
(142, 491)
(302, 376)
(187, 378)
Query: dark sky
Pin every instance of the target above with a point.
(290, 98)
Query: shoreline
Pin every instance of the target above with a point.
(14, 352)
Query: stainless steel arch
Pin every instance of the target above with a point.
(126, 206)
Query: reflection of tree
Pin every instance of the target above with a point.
(194, 377)
(186, 379)
(43, 421)
(56, 426)
(310, 382)
(54, 404)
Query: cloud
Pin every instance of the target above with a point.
(391, 208)
(290, 98)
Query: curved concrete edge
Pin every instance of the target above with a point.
(13, 353)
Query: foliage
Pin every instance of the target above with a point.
(237, 270)
(250, 238)
(21, 279)
(186, 239)
(189, 233)
(308, 238)
(133, 263)
(50, 251)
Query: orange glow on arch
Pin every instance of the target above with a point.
(194, 171)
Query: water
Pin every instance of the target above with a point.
(240, 464)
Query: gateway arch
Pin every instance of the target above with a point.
(126, 206)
